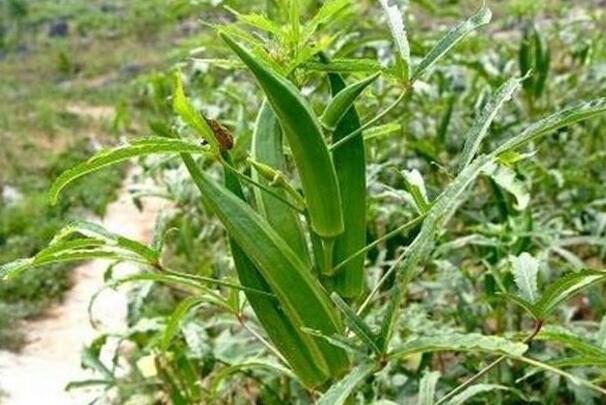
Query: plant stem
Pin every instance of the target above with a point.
(353, 134)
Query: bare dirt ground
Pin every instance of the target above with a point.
(51, 358)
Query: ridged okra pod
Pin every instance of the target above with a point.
(300, 295)
(267, 149)
(306, 140)
(350, 165)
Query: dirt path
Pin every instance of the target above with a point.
(51, 359)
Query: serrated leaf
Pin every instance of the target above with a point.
(398, 33)
(506, 178)
(456, 342)
(338, 393)
(566, 287)
(138, 147)
(568, 116)
(525, 270)
(479, 130)
(453, 37)
(427, 388)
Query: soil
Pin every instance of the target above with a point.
(39, 373)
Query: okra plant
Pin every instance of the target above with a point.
(295, 208)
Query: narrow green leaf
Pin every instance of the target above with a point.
(525, 271)
(338, 393)
(174, 322)
(415, 185)
(568, 116)
(186, 111)
(527, 306)
(357, 324)
(571, 341)
(398, 33)
(479, 130)
(138, 147)
(427, 388)
(453, 37)
(566, 287)
(340, 104)
(456, 342)
(344, 65)
(390, 318)
(477, 389)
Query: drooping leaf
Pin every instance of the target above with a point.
(571, 341)
(338, 393)
(138, 147)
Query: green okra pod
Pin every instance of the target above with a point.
(306, 140)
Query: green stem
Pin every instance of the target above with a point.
(353, 134)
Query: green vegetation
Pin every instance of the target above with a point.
(370, 206)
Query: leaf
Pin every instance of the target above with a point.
(566, 287)
(299, 293)
(478, 131)
(329, 11)
(340, 104)
(456, 342)
(506, 179)
(601, 338)
(427, 388)
(259, 21)
(344, 65)
(568, 116)
(138, 147)
(570, 341)
(357, 324)
(476, 389)
(527, 306)
(573, 378)
(341, 341)
(415, 185)
(390, 318)
(453, 37)
(186, 111)
(398, 33)
(224, 373)
(338, 393)
(173, 324)
(525, 270)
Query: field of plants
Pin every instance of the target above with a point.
(363, 202)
